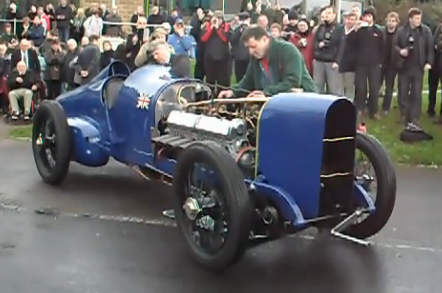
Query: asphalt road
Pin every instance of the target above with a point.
(102, 231)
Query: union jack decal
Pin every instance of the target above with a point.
(143, 102)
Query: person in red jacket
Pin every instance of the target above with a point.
(217, 58)
(303, 40)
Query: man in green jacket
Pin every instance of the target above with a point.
(275, 67)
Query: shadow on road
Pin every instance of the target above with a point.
(297, 265)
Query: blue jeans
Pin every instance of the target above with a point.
(63, 34)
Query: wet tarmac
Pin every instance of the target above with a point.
(102, 231)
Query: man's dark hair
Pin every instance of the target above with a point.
(327, 7)
(254, 31)
(94, 38)
(413, 12)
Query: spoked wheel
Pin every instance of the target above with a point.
(374, 171)
(51, 142)
(212, 205)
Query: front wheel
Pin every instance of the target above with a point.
(212, 205)
(374, 170)
(51, 142)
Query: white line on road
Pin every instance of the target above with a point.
(164, 222)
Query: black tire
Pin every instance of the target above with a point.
(52, 110)
(386, 187)
(238, 204)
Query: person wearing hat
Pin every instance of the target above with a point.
(181, 43)
(292, 25)
(275, 67)
(54, 59)
(303, 40)
(369, 56)
(240, 53)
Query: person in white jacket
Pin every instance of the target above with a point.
(93, 25)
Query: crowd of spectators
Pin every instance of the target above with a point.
(350, 58)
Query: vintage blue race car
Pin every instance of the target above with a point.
(243, 171)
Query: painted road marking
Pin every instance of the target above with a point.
(168, 223)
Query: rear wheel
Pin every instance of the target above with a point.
(212, 205)
(375, 171)
(51, 142)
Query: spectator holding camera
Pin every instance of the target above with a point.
(63, 16)
(292, 25)
(325, 43)
(181, 43)
(217, 59)
(240, 53)
(303, 39)
(415, 46)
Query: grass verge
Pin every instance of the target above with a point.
(386, 130)
(19, 132)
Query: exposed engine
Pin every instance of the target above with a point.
(233, 134)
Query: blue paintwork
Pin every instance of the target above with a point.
(300, 120)
(290, 133)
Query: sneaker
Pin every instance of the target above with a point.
(14, 116)
(26, 117)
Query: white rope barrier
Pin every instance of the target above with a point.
(15, 21)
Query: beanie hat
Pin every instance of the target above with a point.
(370, 11)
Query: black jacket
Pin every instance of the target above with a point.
(68, 14)
(106, 58)
(326, 33)
(425, 42)
(29, 79)
(196, 32)
(34, 63)
(216, 42)
(68, 72)
(437, 39)
(180, 66)
(369, 42)
(389, 59)
(345, 54)
(239, 51)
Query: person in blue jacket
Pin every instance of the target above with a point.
(181, 43)
(36, 32)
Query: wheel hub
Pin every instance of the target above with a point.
(367, 181)
(192, 208)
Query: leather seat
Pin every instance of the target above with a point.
(112, 90)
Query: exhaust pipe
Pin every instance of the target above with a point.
(270, 215)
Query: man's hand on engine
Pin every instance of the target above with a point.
(256, 94)
(225, 94)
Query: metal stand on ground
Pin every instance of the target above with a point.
(347, 222)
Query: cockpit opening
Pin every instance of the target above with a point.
(176, 96)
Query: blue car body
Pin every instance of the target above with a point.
(291, 137)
